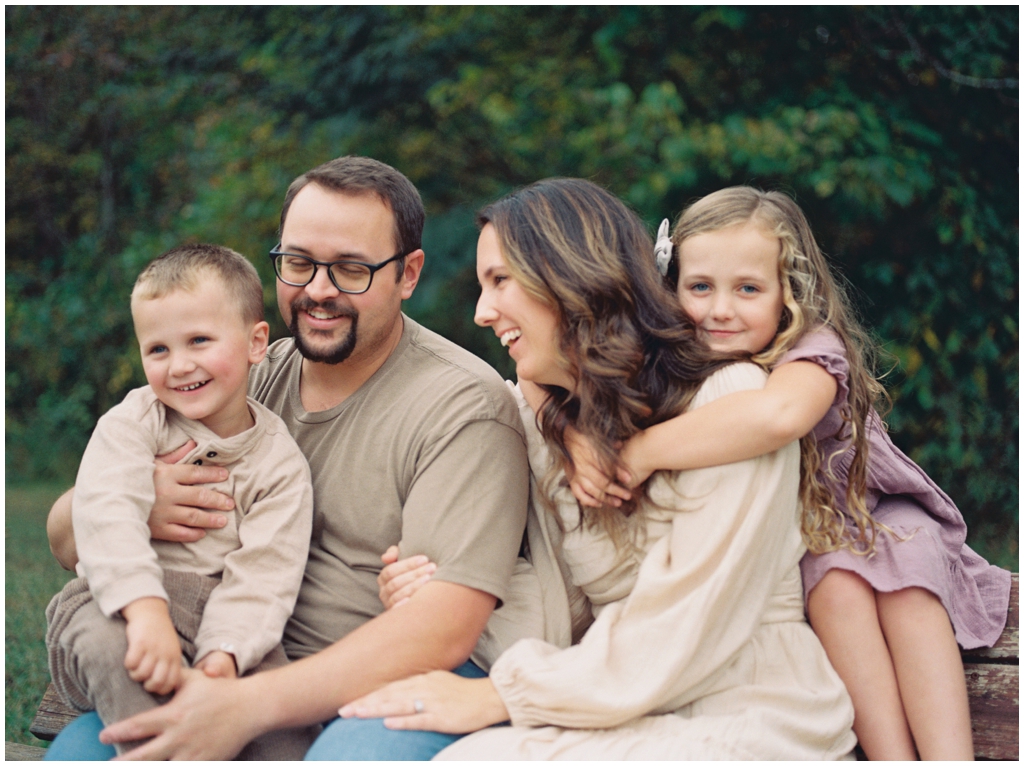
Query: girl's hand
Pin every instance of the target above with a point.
(399, 580)
(436, 701)
(634, 470)
(154, 654)
(591, 486)
(182, 509)
(218, 664)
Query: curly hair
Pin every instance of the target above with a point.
(812, 298)
(635, 356)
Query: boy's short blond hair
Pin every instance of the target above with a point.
(182, 267)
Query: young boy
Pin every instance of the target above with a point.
(117, 633)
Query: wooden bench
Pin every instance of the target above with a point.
(992, 676)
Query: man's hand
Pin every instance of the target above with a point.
(181, 512)
(209, 719)
(218, 664)
(154, 654)
(400, 579)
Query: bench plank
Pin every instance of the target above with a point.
(993, 689)
(14, 751)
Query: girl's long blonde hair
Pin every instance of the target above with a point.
(812, 298)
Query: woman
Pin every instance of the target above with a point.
(698, 647)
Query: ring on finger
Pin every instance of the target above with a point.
(417, 705)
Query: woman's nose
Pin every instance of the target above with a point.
(485, 312)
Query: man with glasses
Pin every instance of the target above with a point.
(411, 441)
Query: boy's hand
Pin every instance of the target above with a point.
(399, 580)
(591, 486)
(154, 654)
(218, 664)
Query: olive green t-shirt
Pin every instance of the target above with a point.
(429, 453)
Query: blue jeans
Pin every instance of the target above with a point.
(349, 739)
(366, 739)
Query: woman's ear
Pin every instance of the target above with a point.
(259, 338)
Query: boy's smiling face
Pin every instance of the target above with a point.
(196, 353)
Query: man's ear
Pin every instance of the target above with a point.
(411, 273)
(259, 338)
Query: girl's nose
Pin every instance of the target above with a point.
(721, 306)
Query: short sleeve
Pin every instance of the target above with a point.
(825, 349)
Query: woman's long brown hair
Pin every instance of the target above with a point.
(633, 353)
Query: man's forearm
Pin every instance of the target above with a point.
(436, 629)
(60, 532)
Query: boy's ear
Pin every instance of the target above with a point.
(259, 338)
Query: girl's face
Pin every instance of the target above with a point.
(525, 326)
(729, 285)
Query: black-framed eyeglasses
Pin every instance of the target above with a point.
(350, 277)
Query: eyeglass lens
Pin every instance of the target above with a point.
(347, 275)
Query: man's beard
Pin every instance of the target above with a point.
(338, 353)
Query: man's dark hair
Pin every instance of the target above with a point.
(362, 175)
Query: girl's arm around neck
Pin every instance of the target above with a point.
(737, 427)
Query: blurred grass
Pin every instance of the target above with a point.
(32, 576)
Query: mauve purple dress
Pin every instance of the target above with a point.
(932, 553)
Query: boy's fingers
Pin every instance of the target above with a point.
(390, 556)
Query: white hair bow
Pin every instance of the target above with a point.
(663, 249)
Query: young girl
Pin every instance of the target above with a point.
(890, 586)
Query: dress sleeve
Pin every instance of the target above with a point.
(825, 349)
(246, 614)
(699, 597)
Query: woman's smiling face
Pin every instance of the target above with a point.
(525, 326)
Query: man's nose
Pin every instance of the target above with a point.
(322, 288)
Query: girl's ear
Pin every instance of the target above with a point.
(259, 338)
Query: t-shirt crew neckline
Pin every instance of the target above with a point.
(323, 416)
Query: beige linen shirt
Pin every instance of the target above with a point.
(259, 555)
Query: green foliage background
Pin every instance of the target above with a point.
(131, 129)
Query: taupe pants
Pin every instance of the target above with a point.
(86, 655)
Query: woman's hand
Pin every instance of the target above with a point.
(399, 580)
(209, 719)
(591, 486)
(182, 509)
(435, 701)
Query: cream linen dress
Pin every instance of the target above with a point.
(698, 647)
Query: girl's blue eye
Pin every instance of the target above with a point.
(700, 287)
(749, 289)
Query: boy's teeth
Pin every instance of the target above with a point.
(511, 335)
(192, 386)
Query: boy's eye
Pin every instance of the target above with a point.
(199, 339)
(157, 350)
